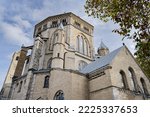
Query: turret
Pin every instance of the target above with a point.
(58, 47)
(102, 50)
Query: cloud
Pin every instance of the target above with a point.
(22, 22)
(2, 9)
(15, 34)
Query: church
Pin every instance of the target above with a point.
(62, 65)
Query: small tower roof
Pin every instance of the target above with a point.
(102, 46)
(61, 26)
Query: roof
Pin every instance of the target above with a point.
(102, 45)
(101, 62)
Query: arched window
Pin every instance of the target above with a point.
(144, 86)
(59, 95)
(46, 82)
(82, 64)
(133, 77)
(124, 80)
(20, 86)
(82, 45)
(49, 63)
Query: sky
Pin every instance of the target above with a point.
(18, 18)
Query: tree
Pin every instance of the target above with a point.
(132, 16)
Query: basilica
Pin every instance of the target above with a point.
(63, 65)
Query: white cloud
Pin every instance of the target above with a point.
(21, 22)
(15, 34)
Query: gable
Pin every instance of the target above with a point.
(123, 61)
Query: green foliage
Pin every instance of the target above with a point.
(131, 15)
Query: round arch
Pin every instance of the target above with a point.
(59, 95)
(83, 45)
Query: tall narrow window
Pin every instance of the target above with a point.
(133, 77)
(144, 86)
(77, 43)
(59, 95)
(20, 86)
(49, 63)
(82, 45)
(85, 47)
(46, 82)
(124, 80)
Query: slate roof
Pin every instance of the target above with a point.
(102, 46)
(103, 61)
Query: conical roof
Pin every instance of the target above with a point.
(102, 46)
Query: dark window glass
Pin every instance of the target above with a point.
(133, 77)
(46, 82)
(59, 95)
(17, 58)
(45, 27)
(64, 22)
(124, 80)
(144, 86)
(54, 24)
(49, 63)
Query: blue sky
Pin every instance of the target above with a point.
(18, 17)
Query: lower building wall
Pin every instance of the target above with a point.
(18, 91)
(103, 94)
(5, 90)
(122, 94)
(99, 87)
(37, 88)
(74, 85)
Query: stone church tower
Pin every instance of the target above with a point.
(62, 65)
